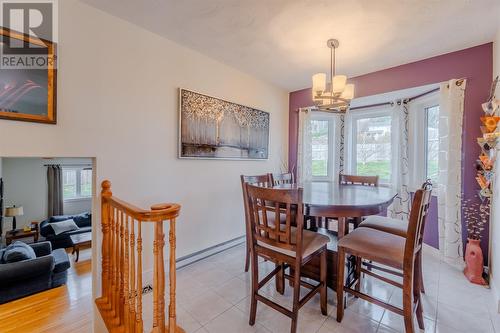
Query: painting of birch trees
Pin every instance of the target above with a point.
(214, 128)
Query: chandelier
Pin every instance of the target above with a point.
(334, 96)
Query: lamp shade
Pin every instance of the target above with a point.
(13, 211)
(338, 82)
(348, 92)
(319, 82)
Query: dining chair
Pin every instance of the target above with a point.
(281, 178)
(358, 180)
(390, 250)
(260, 180)
(355, 180)
(396, 227)
(291, 245)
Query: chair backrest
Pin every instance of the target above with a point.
(283, 206)
(259, 180)
(281, 178)
(416, 223)
(358, 180)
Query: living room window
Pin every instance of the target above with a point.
(77, 183)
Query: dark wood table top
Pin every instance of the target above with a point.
(333, 194)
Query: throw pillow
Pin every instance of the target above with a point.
(18, 251)
(63, 226)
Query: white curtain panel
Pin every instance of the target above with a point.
(400, 208)
(449, 189)
(304, 148)
(339, 155)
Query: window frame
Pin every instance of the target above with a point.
(78, 170)
(352, 138)
(325, 116)
(418, 124)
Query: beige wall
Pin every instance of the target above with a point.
(495, 218)
(117, 102)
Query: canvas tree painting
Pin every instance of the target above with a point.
(214, 128)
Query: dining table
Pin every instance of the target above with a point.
(339, 202)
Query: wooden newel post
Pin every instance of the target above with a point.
(105, 216)
(172, 316)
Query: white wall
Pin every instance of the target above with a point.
(25, 181)
(495, 217)
(117, 102)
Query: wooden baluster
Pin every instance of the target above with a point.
(156, 288)
(105, 250)
(133, 290)
(117, 267)
(126, 292)
(172, 316)
(122, 267)
(138, 314)
(161, 276)
(113, 262)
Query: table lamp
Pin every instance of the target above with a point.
(13, 212)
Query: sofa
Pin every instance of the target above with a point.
(63, 240)
(22, 278)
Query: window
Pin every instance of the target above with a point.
(432, 142)
(77, 183)
(319, 129)
(370, 152)
(322, 146)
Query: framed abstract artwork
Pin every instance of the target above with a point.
(212, 128)
(27, 81)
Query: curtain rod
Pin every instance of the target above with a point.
(458, 83)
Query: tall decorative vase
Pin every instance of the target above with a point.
(474, 262)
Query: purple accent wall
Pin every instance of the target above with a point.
(475, 64)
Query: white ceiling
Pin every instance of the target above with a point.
(284, 41)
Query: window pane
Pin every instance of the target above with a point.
(373, 147)
(86, 183)
(319, 133)
(432, 142)
(69, 184)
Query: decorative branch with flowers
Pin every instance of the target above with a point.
(476, 214)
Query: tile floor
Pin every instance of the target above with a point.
(213, 296)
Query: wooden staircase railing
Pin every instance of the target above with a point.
(121, 304)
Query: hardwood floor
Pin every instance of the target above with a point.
(64, 309)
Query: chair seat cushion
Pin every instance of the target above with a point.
(311, 242)
(376, 245)
(387, 224)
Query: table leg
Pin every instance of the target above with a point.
(77, 249)
(342, 221)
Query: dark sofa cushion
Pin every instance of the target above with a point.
(63, 226)
(81, 220)
(18, 251)
(61, 260)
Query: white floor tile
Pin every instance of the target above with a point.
(206, 307)
(213, 296)
(233, 320)
(451, 317)
(351, 323)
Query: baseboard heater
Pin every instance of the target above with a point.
(208, 252)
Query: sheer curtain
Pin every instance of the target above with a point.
(304, 148)
(400, 208)
(450, 169)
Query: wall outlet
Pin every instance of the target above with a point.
(147, 289)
